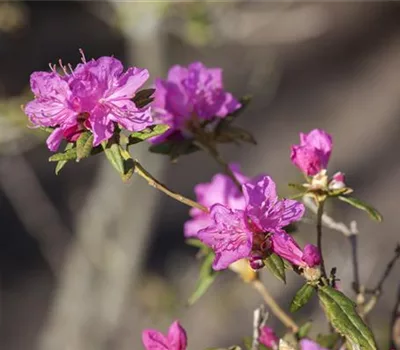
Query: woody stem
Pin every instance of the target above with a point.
(320, 212)
(152, 181)
(274, 307)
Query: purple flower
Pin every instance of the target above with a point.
(175, 339)
(307, 344)
(265, 210)
(220, 190)
(312, 155)
(228, 235)
(189, 95)
(268, 337)
(250, 233)
(95, 96)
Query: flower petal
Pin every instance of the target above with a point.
(177, 338)
(154, 340)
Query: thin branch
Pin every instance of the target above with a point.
(152, 181)
(320, 213)
(388, 269)
(354, 258)
(395, 324)
(330, 222)
(274, 307)
(260, 317)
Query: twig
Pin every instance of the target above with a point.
(161, 187)
(260, 317)
(354, 258)
(274, 307)
(395, 323)
(320, 212)
(388, 269)
(330, 222)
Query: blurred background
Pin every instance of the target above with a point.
(87, 262)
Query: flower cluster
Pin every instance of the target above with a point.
(250, 225)
(241, 220)
(96, 96)
(312, 157)
(188, 97)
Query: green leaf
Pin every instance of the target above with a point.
(302, 297)
(69, 154)
(248, 343)
(233, 134)
(129, 165)
(276, 265)
(372, 212)
(84, 145)
(304, 330)
(174, 149)
(114, 156)
(206, 278)
(328, 340)
(145, 134)
(342, 314)
(62, 163)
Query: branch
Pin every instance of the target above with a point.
(152, 181)
(273, 305)
(260, 317)
(320, 213)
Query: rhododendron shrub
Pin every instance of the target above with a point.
(237, 221)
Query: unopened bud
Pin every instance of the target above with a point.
(337, 182)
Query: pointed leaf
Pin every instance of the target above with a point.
(373, 213)
(62, 163)
(328, 340)
(276, 265)
(114, 156)
(302, 297)
(129, 165)
(248, 344)
(206, 278)
(232, 133)
(304, 330)
(67, 155)
(342, 314)
(145, 134)
(174, 149)
(84, 145)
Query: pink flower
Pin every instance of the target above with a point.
(268, 337)
(228, 235)
(95, 96)
(195, 92)
(312, 155)
(175, 339)
(250, 233)
(220, 190)
(307, 344)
